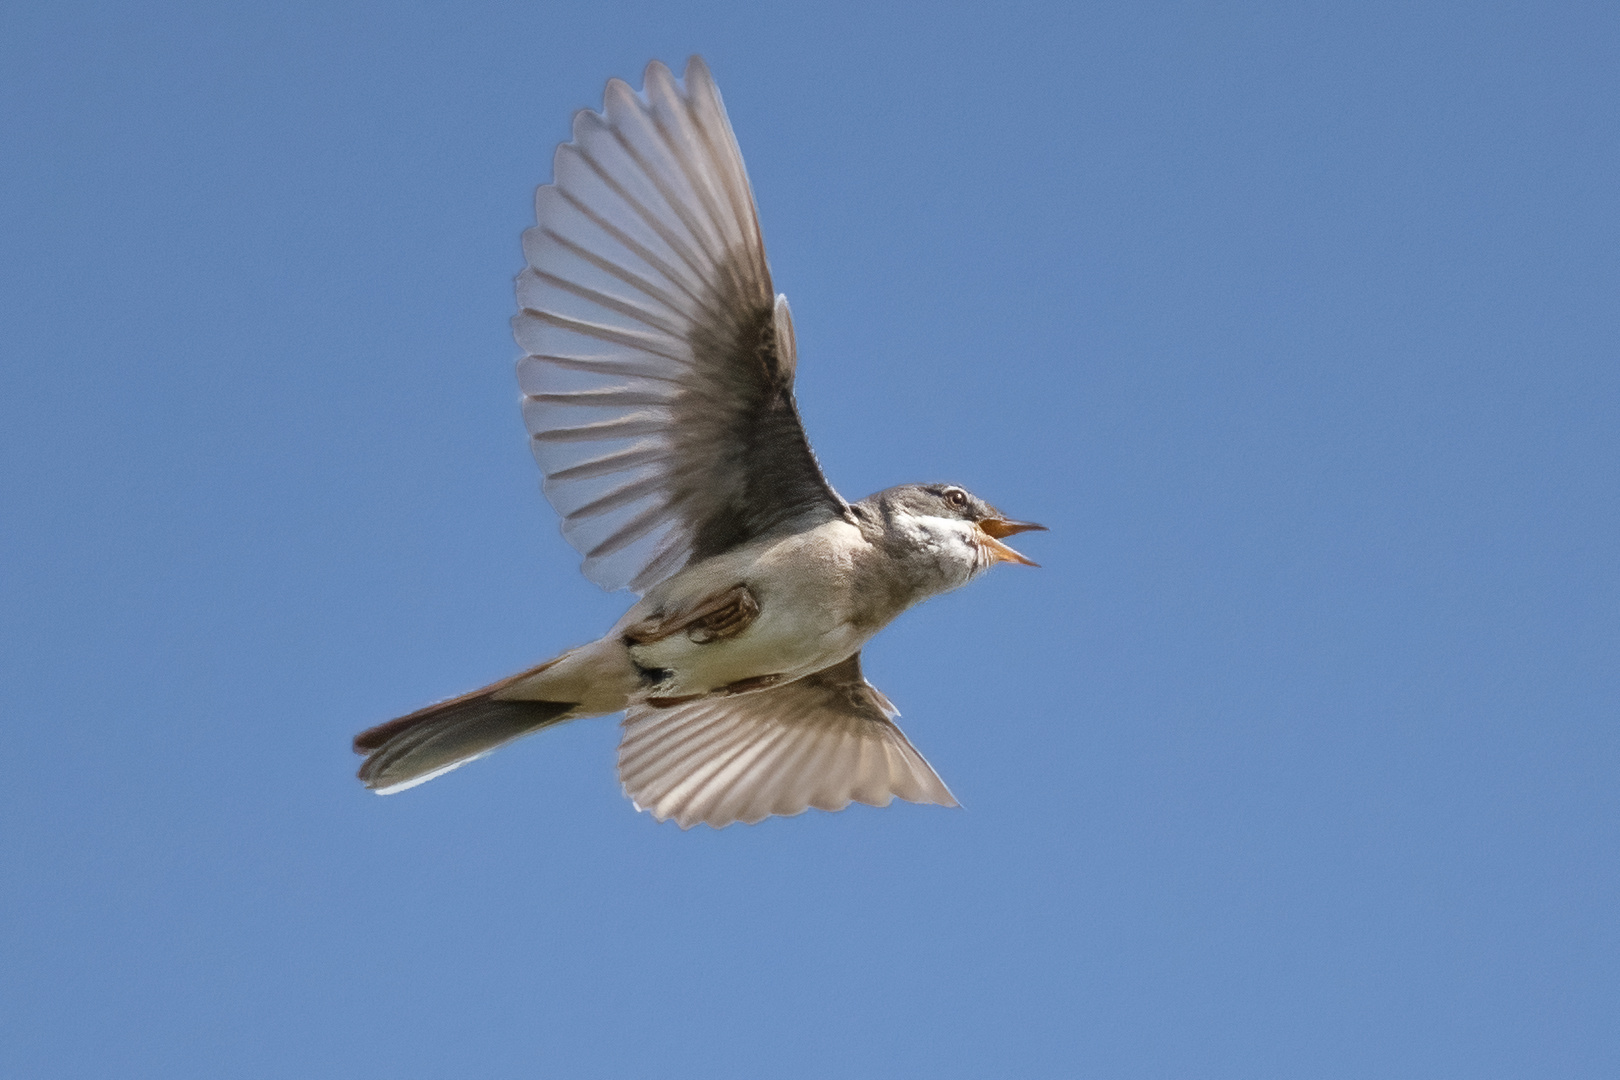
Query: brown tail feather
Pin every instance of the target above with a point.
(433, 740)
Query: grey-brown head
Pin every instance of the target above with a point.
(939, 535)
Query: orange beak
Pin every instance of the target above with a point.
(992, 530)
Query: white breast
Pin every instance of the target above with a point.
(802, 584)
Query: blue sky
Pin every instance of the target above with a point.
(1297, 324)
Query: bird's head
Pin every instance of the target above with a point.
(949, 526)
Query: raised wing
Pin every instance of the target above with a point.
(658, 380)
(823, 741)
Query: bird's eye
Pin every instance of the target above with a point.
(956, 497)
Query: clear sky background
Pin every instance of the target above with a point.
(1296, 322)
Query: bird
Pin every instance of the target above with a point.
(657, 379)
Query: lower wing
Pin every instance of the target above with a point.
(825, 740)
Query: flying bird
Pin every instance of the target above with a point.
(657, 389)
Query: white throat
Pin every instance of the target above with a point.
(947, 550)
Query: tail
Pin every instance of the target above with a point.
(430, 742)
(591, 680)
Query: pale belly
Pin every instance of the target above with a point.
(802, 586)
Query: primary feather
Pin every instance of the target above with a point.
(658, 375)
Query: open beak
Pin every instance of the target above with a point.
(993, 529)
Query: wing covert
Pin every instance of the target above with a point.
(658, 375)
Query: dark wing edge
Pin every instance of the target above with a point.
(658, 367)
(825, 741)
